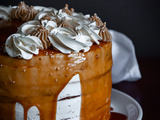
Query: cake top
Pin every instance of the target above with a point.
(63, 30)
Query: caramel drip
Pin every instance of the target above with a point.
(64, 23)
(42, 34)
(104, 33)
(97, 19)
(65, 9)
(30, 14)
(18, 12)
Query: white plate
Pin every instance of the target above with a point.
(123, 103)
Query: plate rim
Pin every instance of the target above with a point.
(140, 111)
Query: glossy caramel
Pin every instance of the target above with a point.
(38, 82)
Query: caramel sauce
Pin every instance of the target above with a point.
(117, 116)
(38, 82)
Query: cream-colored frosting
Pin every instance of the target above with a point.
(65, 30)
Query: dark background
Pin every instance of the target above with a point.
(138, 19)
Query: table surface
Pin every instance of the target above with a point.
(146, 90)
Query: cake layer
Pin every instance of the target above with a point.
(38, 82)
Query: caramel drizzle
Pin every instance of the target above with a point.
(42, 34)
(104, 33)
(65, 9)
(97, 19)
(23, 12)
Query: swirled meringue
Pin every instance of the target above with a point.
(19, 11)
(21, 46)
(104, 33)
(29, 15)
(29, 27)
(66, 44)
(88, 31)
(96, 19)
(51, 13)
(65, 9)
(64, 23)
(5, 12)
(42, 34)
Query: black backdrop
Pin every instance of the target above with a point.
(138, 19)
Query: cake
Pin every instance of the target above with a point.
(54, 64)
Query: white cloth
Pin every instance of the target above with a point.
(125, 65)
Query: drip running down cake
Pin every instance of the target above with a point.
(54, 64)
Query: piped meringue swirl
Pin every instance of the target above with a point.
(19, 11)
(97, 19)
(106, 36)
(5, 12)
(65, 9)
(21, 46)
(24, 12)
(42, 33)
(30, 14)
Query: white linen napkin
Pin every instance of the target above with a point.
(125, 65)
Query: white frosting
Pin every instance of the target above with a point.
(79, 35)
(70, 108)
(29, 27)
(21, 46)
(19, 111)
(44, 13)
(5, 12)
(67, 41)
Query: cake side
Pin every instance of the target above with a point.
(34, 83)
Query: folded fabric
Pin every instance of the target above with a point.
(125, 65)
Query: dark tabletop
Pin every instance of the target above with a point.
(146, 90)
